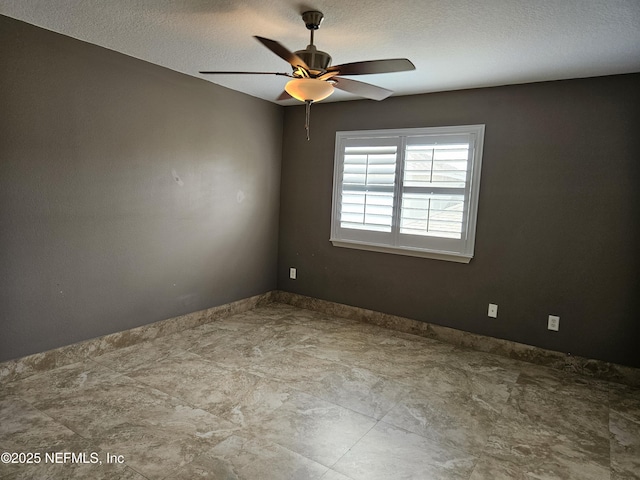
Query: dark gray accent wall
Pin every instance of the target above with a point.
(558, 224)
(129, 193)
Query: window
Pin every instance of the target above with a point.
(410, 192)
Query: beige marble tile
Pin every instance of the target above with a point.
(564, 383)
(500, 369)
(290, 366)
(93, 410)
(358, 389)
(234, 395)
(155, 448)
(252, 347)
(386, 339)
(241, 458)
(135, 356)
(314, 319)
(546, 457)
(152, 430)
(24, 367)
(524, 465)
(255, 319)
(535, 441)
(387, 452)
(402, 362)
(625, 401)
(453, 408)
(293, 333)
(333, 346)
(209, 333)
(25, 429)
(122, 416)
(445, 379)
(314, 395)
(238, 350)
(625, 447)
(314, 428)
(584, 424)
(62, 381)
(490, 468)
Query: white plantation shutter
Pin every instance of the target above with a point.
(368, 180)
(411, 191)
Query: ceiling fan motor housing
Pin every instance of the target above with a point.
(317, 60)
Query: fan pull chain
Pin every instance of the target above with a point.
(307, 117)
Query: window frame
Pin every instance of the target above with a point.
(456, 250)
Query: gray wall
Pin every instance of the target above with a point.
(97, 233)
(558, 230)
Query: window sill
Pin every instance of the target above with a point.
(407, 251)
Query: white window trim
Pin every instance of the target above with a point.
(462, 255)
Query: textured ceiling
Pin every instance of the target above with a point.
(454, 44)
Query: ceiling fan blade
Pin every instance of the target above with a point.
(245, 73)
(294, 60)
(361, 89)
(284, 96)
(374, 66)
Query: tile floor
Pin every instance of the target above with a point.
(284, 393)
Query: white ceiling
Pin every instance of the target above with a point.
(454, 44)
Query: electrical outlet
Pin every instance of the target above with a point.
(293, 273)
(493, 310)
(554, 323)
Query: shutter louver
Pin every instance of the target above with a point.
(368, 183)
(434, 181)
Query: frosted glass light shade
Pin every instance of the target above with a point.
(312, 89)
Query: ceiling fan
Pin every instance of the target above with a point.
(313, 77)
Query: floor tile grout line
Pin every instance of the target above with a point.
(323, 400)
(146, 386)
(381, 420)
(354, 445)
(512, 386)
(351, 366)
(244, 370)
(350, 408)
(92, 440)
(469, 348)
(399, 381)
(55, 420)
(332, 402)
(630, 418)
(137, 472)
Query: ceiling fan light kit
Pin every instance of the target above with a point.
(313, 77)
(309, 89)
